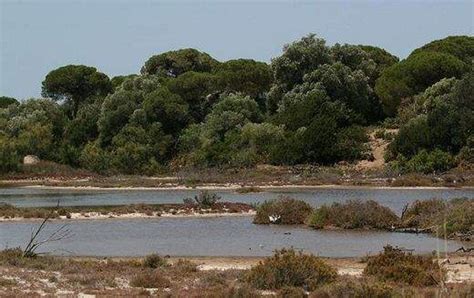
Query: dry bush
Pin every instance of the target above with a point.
(394, 265)
(286, 268)
(353, 288)
(150, 279)
(453, 219)
(154, 261)
(353, 214)
(291, 292)
(290, 211)
(420, 213)
(184, 267)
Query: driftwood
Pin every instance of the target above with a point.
(59, 234)
(462, 249)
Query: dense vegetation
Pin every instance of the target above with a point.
(310, 105)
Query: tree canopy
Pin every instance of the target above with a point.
(74, 84)
(313, 104)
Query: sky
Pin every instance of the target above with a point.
(117, 37)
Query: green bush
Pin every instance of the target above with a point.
(286, 268)
(397, 266)
(9, 158)
(353, 214)
(429, 162)
(288, 211)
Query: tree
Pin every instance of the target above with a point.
(299, 58)
(244, 76)
(74, 84)
(118, 80)
(167, 108)
(175, 63)
(461, 47)
(414, 74)
(6, 101)
(115, 113)
(194, 88)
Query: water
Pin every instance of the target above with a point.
(223, 236)
(393, 198)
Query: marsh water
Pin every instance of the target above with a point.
(220, 236)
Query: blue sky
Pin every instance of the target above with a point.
(118, 36)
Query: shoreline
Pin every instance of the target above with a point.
(225, 187)
(97, 216)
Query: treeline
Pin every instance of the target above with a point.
(312, 105)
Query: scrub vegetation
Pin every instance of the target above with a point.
(314, 104)
(287, 273)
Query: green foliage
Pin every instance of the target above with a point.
(118, 80)
(74, 84)
(429, 162)
(299, 58)
(397, 266)
(94, 158)
(175, 63)
(115, 113)
(424, 67)
(167, 108)
(286, 268)
(246, 76)
(285, 210)
(5, 101)
(9, 159)
(461, 47)
(353, 215)
(194, 88)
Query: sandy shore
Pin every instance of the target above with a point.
(109, 216)
(233, 187)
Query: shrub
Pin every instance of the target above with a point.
(204, 199)
(420, 213)
(291, 292)
(286, 268)
(451, 219)
(397, 266)
(429, 162)
(458, 219)
(154, 261)
(9, 159)
(150, 279)
(288, 211)
(353, 214)
(351, 288)
(185, 266)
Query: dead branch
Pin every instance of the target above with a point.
(59, 234)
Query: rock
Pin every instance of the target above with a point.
(31, 160)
